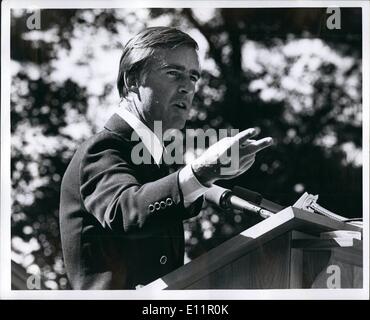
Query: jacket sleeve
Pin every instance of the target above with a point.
(110, 190)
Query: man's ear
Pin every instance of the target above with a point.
(131, 82)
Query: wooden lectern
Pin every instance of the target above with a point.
(284, 251)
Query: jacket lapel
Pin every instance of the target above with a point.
(119, 126)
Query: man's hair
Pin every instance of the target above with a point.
(140, 48)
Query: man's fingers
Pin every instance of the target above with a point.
(247, 158)
(246, 163)
(247, 142)
(245, 135)
(257, 145)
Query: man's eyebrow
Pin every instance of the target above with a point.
(181, 68)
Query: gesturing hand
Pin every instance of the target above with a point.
(229, 157)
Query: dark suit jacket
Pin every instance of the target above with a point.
(120, 223)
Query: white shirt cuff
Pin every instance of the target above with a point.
(191, 188)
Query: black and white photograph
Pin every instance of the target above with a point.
(185, 150)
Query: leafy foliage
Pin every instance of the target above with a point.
(296, 81)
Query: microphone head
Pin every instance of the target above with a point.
(215, 194)
(247, 195)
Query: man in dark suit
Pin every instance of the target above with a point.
(120, 220)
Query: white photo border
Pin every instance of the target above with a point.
(5, 216)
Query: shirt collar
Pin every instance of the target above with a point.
(147, 136)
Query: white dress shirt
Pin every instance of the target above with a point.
(190, 187)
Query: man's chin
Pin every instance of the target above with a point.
(178, 125)
(181, 126)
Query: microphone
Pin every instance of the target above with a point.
(247, 194)
(256, 198)
(225, 199)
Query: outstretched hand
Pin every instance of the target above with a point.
(229, 157)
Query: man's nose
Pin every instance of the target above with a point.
(186, 87)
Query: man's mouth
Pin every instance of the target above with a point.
(181, 105)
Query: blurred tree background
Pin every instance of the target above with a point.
(281, 70)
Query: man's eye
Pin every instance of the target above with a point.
(194, 78)
(173, 73)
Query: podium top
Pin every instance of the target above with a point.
(284, 221)
(297, 219)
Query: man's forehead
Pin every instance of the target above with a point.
(183, 57)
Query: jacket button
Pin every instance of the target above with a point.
(163, 205)
(157, 206)
(163, 260)
(169, 201)
(151, 208)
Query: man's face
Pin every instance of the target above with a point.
(167, 89)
